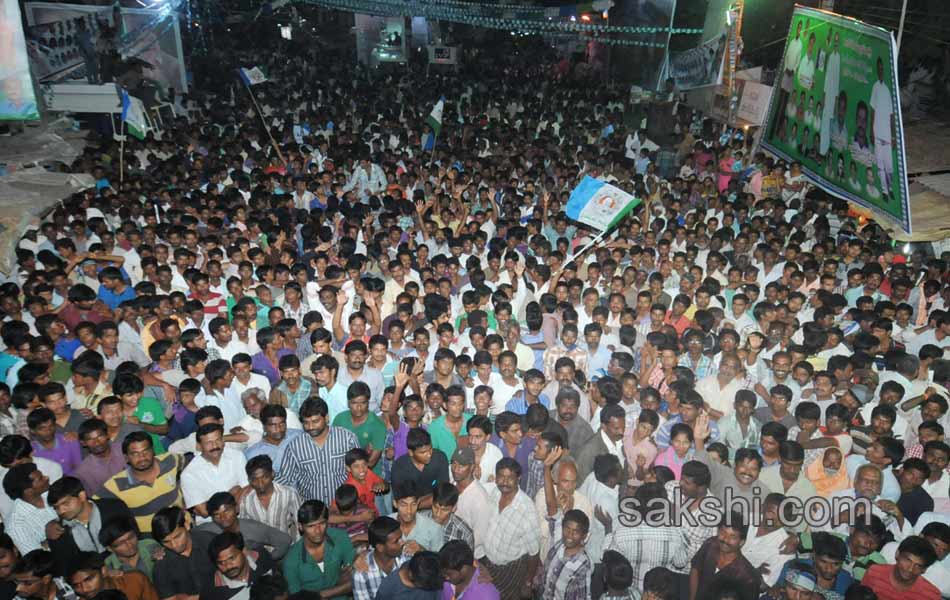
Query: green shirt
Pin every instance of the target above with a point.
(145, 564)
(60, 371)
(492, 321)
(442, 437)
(371, 432)
(303, 573)
(856, 566)
(149, 412)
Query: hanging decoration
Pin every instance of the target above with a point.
(506, 20)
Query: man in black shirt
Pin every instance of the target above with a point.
(421, 467)
(236, 567)
(914, 500)
(186, 568)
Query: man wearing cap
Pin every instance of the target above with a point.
(799, 583)
(356, 370)
(473, 504)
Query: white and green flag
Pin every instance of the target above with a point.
(133, 114)
(435, 117)
(599, 204)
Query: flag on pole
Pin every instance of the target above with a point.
(252, 76)
(435, 117)
(599, 204)
(133, 113)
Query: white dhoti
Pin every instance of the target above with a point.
(884, 158)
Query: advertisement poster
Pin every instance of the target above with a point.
(17, 99)
(57, 30)
(702, 66)
(836, 110)
(699, 67)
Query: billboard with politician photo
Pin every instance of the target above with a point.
(836, 110)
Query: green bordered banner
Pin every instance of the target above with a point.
(836, 110)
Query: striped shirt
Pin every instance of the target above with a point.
(697, 534)
(648, 547)
(366, 583)
(144, 499)
(566, 577)
(281, 512)
(317, 471)
(512, 532)
(27, 525)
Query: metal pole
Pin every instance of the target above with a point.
(900, 27)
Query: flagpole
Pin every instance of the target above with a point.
(122, 153)
(589, 245)
(435, 140)
(266, 128)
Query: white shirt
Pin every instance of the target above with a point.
(256, 381)
(47, 467)
(940, 489)
(200, 480)
(228, 351)
(229, 403)
(474, 508)
(614, 448)
(487, 465)
(765, 551)
(608, 500)
(254, 429)
(883, 110)
(720, 399)
(513, 532)
(581, 503)
(889, 522)
(27, 525)
(793, 55)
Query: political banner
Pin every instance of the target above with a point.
(700, 66)
(703, 65)
(17, 99)
(836, 111)
(62, 41)
(599, 204)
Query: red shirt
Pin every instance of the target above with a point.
(680, 325)
(878, 578)
(72, 315)
(215, 305)
(365, 490)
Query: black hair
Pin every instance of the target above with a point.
(223, 541)
(312, 510)
(166, 521)
(455, 555)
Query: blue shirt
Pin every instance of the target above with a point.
(7, 362)
(598, 362)
(113, 300)
(276, 453)
(522, 454)
(66, 348)
(518, 405)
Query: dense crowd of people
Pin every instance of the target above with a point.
(362, 360)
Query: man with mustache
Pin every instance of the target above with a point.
(217, 469)
(236, 567)
(313, 464)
